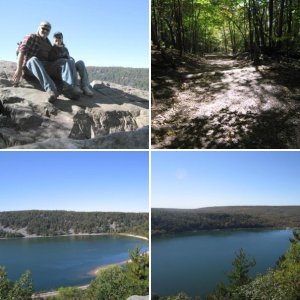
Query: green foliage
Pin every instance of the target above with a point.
(18, 290)
(197, 26)
(116, 283)
(137, 270)
(296, 238)
(5, 284)
(279, 284)
(239, 276)
(134, 77)
(70, 293)
(49, 223)
(110, 284)
(241, 267)
(180, 296)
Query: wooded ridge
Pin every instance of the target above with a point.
(52, 223)
(170, 221)
(134, 77)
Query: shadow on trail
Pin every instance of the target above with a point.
(229, 104)
(230, 130)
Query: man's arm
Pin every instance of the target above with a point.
(18, 74)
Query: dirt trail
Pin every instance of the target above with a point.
(221, 102)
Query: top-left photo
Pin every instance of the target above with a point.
(74, 75)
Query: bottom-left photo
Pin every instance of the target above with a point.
(74, 225)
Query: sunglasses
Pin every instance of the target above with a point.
(46, 29)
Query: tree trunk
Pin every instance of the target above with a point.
(271, 17)
(154, 25)
(280, 25)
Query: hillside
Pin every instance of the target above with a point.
(51, 223)
(134, 77)
(170, 221)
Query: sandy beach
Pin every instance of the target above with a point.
(28, 236)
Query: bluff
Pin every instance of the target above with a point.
(52, 223)
(117, 117)
(172, 221)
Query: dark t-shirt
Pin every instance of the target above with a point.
(44, 50)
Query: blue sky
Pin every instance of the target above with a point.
(203, 179)
(99, 32)
(80, 181)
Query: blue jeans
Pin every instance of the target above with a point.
(80, 67)
(63, 69)
(40, 70)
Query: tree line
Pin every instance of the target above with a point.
(52, 223)
(134, 77)
(172, 221)
(264, 27)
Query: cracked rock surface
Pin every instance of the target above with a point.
(116, 117)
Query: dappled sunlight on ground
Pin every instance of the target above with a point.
(228, 104)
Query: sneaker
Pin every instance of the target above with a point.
(87, 91)
(78, 90)
(71, 93)
(52, 96)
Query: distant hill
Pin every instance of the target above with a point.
(169, 221)
(50, 223)
(134, 77)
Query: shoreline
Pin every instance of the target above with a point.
(28, 236)
(94, 272)
(219, 230)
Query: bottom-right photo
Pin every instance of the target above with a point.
(225, 225)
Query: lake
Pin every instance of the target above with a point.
(196, 263)
(64, 261)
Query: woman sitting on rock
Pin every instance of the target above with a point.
(59, 51)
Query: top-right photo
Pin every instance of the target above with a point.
(225, 74)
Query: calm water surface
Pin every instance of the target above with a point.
(64, 261)
(196, 263)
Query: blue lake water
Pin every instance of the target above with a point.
(196, 263)
(64, 261)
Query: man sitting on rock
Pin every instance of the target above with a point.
(33, 58)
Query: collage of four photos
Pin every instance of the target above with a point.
(150, 150)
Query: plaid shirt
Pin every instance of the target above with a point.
(31, 46)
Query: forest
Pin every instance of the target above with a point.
(257, 27)
(134, 77)
(173, 221)
(52, 223)
(225, 74)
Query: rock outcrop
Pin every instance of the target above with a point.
(115, 118)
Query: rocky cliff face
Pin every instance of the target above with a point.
(115, 118)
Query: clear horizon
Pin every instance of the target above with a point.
(102, 33)
(224, 206)
(192, 180)
(83, 181)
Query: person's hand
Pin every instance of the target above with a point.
(17, 76)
